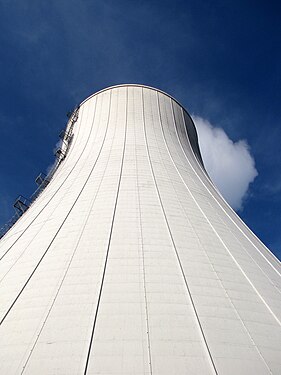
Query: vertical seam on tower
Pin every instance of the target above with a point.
(69, 263)
(224, 245)
(109, 241)
(50, 244)
(54, 209)
(240, 221)
(215, 272)
(219, 204)
(51, 213)
(175, 249)
(49, 199)
(143, 263)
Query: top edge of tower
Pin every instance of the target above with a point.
(192, 133)
(131, 85)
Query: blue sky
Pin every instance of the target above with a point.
(220, 59)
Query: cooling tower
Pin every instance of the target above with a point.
(130, 262)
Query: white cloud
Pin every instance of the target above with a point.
(229, 164)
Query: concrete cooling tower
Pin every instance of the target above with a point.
(129, 261)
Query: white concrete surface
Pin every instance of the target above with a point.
(130, 261)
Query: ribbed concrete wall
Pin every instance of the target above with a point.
(130, 262)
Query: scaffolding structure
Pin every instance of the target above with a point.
(21, 203)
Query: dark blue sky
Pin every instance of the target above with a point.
(220, 59)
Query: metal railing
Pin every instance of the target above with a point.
(22, 204)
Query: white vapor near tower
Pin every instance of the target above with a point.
(130, 262)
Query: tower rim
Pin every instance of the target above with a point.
(135, 85)
(195, 147)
